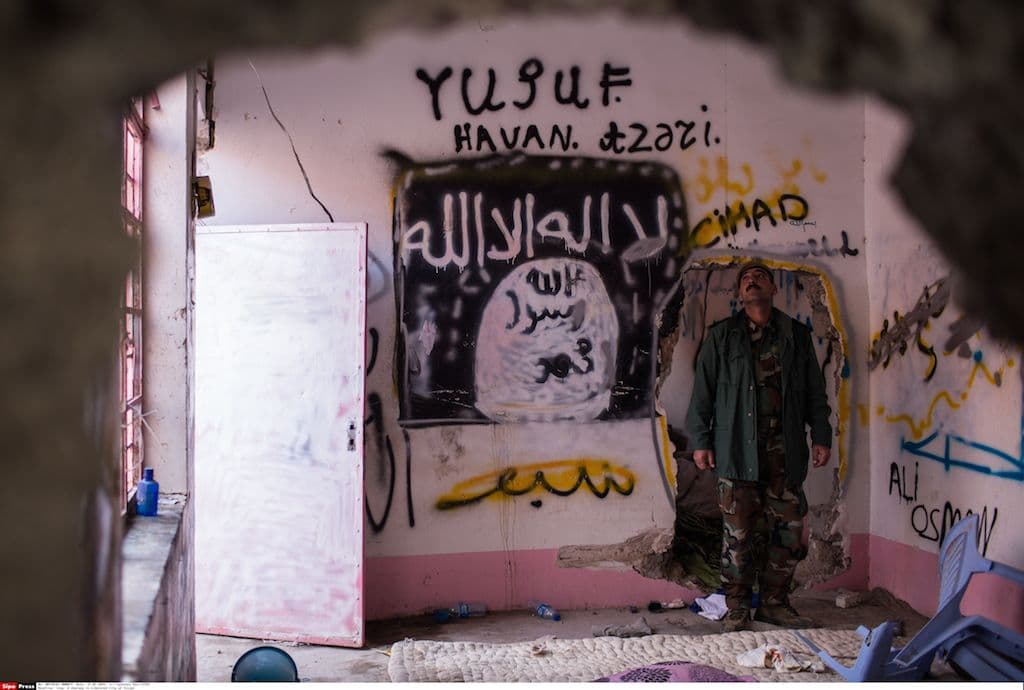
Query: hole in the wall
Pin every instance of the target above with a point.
(709, 295)
(688, 554)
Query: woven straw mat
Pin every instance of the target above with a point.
(587, 659)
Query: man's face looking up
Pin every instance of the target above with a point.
(756, 286)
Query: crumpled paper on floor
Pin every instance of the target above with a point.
(712, 607)
(779, 658)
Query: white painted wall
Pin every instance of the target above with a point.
(342, 110)
(167, 216)
(973, 397)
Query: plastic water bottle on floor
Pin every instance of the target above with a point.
(545, 611)
(464, 609)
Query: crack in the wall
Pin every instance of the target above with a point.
(284, 129)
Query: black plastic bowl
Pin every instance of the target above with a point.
(265, 664)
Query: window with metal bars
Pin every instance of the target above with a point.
(130, 353)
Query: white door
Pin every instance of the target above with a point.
(279, 329)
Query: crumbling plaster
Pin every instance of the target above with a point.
(951, 67)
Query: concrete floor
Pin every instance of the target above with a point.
(217, 655)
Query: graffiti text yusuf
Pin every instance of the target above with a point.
(482, 91)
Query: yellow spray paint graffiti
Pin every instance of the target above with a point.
(559, 477)
(783, 203)
(919, 427)
(707, 185)
(666, 454)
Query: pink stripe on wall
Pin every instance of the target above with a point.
(912, 574)
(411, 585)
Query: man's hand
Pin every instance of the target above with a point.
(704, 459)
(819, 455)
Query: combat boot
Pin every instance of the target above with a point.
(736, 620)
(782, 614)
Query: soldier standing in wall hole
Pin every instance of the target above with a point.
(757, 387)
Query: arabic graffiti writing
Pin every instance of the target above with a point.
(385, 453)
(559, 477)
(528, 287)
(892, 339)
(819, 248)
(547, 344)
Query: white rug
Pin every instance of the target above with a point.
(588, 659)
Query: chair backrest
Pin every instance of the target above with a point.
(959, 560)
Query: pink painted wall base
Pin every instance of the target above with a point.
(856, 576)
(913, 575)
(412, 585)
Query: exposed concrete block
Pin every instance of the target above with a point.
(846, 599)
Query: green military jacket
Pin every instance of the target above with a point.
(723, 408)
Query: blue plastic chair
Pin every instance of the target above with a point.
(979, 647)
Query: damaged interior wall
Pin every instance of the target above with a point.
(60, 217)
(709, 287)
(945, 410)
(514, 300)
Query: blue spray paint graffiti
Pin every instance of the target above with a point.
(946, 459)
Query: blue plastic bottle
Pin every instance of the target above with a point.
(464, 609)
(545, 611)
(147, 493)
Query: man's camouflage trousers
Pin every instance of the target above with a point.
(763, 525)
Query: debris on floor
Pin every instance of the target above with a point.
(540, 645)
(845, 599)
(779, 658)
(637, 628)
(543, 610)
(658, 606)
(712, 607)
(370, 663)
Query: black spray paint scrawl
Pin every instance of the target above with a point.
(526, 287)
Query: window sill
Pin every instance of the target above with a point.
(148, 554)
